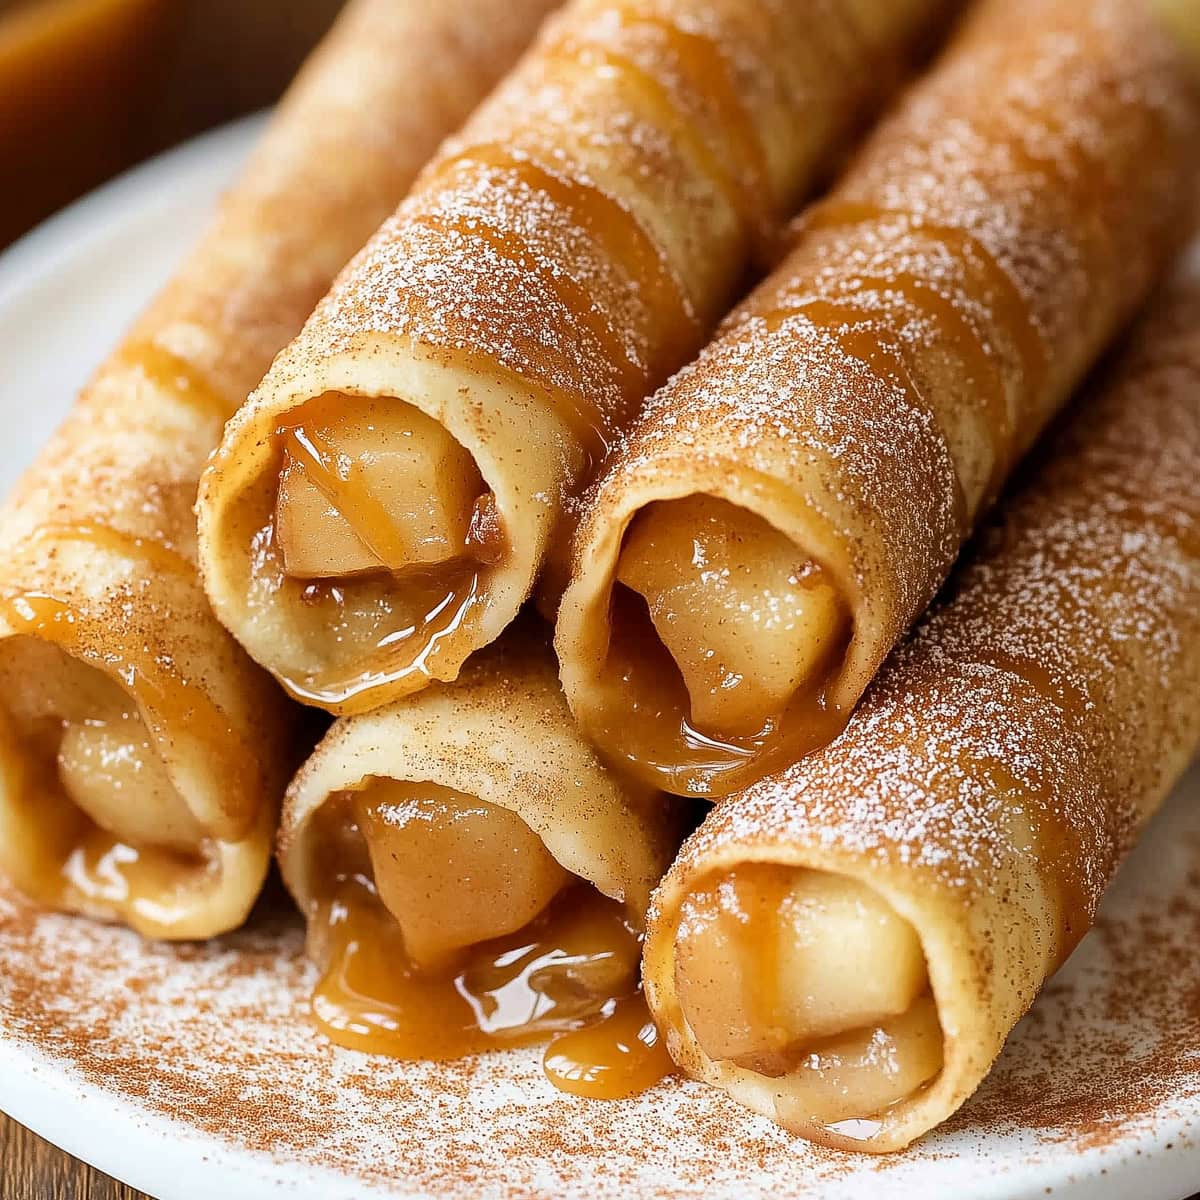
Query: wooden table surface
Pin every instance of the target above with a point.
(31, 1169)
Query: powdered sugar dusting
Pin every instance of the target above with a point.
(591, 223)
(1063, 667)
(991, 237)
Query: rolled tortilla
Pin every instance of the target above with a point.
(788, 504)
(845, 946)
(382, 506)
(473, 876)
(142, 754)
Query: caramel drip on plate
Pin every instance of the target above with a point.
(176, 377)
(166, 698)
(161, 557)
(1012, 309)
(621, 1055)
(572, 969)
(645, 711)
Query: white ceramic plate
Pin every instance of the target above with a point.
(191, 1072)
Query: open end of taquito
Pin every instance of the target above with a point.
(707, 636)
(818, 997)
(473, 877)
(100, 811)
(353, 541)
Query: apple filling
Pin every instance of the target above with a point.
(448, 927)
(371, 486)
(745, 617)
(92, 806)
(422, 838)
(813, 982)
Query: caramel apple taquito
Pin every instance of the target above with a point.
(384, 504)
(789, 503)
(845, 946)
(142, 754)
(474, 877)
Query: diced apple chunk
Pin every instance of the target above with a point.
(859, 1075)
(748, 620)
(770, 959)
(378, 486)
(110, 769)
(453, 870)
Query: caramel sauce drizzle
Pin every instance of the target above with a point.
(746, 182)
(708, 71)
(1012, 309)
(856, 331)
(570, 975)
(176, 377)
(163, 558)
(574, 297)
(645, 723)
(969, 342)
(1051, 844)
(623, 237)
(170, 704)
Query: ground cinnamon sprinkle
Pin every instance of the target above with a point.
(217, 1037)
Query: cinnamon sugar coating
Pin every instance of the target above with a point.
(572, 245)
(1014, 747)
(872, 395)
(103, 521)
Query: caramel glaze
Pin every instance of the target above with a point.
(446, 595)
(175, 377)
(1012, 309)
(646, 726)
(624, 241)
(856, 331)
(582, 417)
(158, 555)
(742, 175)
(568, 977)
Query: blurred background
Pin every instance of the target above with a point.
(90, 87)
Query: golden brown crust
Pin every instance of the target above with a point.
(870, 397)
(1015, 745)
(103, 521)
(565, 252)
